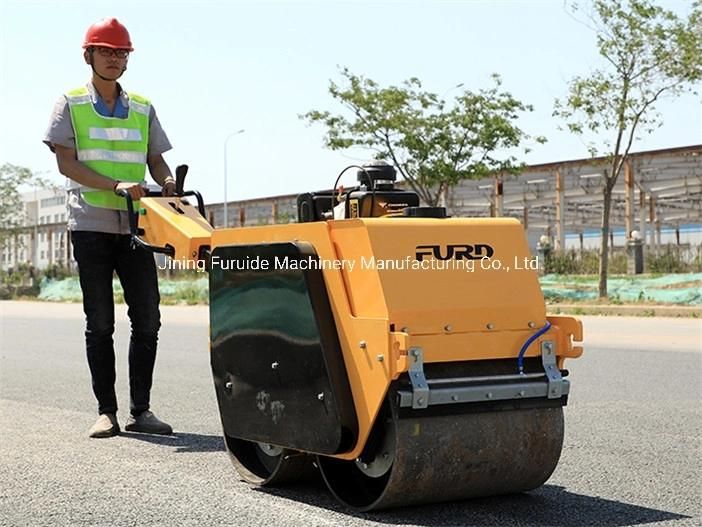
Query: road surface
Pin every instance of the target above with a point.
(631, 456)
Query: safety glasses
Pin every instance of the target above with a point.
(109, 52)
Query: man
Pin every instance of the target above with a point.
(104, 138)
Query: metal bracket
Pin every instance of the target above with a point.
(420, 388)
(483, 388)
(553, 374)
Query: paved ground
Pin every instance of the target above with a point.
(632, 451)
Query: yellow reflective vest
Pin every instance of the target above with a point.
(111, 146)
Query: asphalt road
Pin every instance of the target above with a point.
(632, 451)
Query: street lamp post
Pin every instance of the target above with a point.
(226, 143)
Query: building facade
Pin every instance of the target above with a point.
(42, 240)
(659, 195)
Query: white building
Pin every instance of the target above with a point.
(43, 239)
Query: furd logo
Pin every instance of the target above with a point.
(477, 251)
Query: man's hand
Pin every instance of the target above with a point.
(169, 187)
(162, 174)
(135, 190)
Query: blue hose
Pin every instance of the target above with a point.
(520, 358)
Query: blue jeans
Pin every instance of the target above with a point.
(99, 255)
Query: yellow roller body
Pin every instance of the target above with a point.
(385, 300)
(453, 314)
(174, 222)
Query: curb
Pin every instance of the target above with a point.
(625, 310)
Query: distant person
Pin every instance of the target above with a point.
(104, 138)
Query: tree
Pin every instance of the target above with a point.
(433, 146)
(12, 213)
(649, 53)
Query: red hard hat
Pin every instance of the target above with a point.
(108, 33)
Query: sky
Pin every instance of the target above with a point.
(212, 68)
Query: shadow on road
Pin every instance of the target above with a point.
(549, 506)
(182, 442)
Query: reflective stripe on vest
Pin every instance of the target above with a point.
(98, 154)
(113, 147)
(115, 134)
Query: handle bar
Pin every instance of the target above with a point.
(134, 230)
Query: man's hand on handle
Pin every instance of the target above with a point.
(169, 187)
(135, 190)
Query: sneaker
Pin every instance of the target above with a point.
(105, 426)
(148, 423)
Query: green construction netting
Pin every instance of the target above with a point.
(671, 288)
(195, 291)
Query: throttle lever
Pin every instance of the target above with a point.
(181, 171)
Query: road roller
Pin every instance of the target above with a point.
(404, 355)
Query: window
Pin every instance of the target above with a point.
(63, 218)
(52, 202)
(42, 255)
(56, 218)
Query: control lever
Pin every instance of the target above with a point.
(181, 171)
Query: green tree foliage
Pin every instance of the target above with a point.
(12, 213)
(433, 145)
(649, 53)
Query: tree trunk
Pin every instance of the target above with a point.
(441, 198)
(604, 246)
(434, 198)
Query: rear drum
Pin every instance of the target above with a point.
(433, 458)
